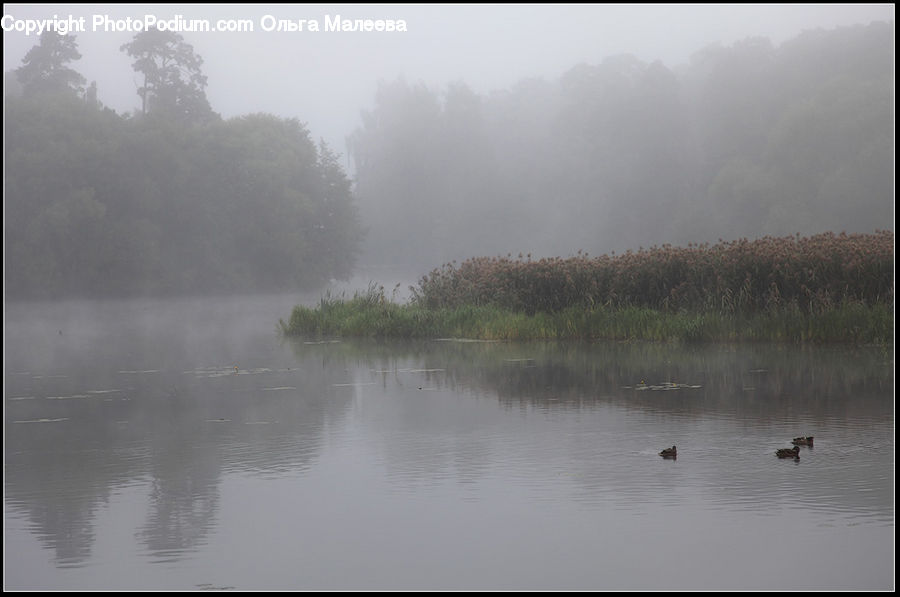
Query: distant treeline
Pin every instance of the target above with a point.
(170, 200)
(744, 141)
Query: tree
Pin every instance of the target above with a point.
(338, 232)
(173, 82)
(400, 172)
(44, 67)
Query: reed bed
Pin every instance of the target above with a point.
(824, 288)
(739, 276)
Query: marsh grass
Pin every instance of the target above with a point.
(359, 317)
(825, 288)
(734, 277)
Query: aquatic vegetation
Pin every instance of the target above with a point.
(827, 288)
(390, 320)
(812, 273)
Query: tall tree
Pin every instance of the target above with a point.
(174, 86)
(44, 68)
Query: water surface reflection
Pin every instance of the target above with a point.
(182, 442)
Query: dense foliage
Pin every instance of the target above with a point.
(745, 141)
(176, 200)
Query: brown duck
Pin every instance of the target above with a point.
(789, 452)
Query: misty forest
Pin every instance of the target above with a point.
(444, 351)
(172, 199)
(747, 141)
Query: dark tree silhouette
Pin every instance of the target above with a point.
(174, 86)
(44, 68)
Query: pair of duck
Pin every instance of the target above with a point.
(782, 453)
(795, 451)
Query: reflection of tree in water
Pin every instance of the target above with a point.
(183, 429)
(183, 499)
(59, 475)
(259, 421)
(64, 524)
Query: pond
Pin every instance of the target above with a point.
(184, 445)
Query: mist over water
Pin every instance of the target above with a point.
(153, 441)
(169, 196)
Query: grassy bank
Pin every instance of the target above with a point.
(371, 315)
(824, 288)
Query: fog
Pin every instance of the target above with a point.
(326, 78)
(170, 196)
(487, 129)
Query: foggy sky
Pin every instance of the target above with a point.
(326, 78)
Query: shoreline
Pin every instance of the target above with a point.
(370, 316)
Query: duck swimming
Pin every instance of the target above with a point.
(789, 452)
(669, 453)
(803, 441)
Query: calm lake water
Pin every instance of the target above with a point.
(136, 457)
